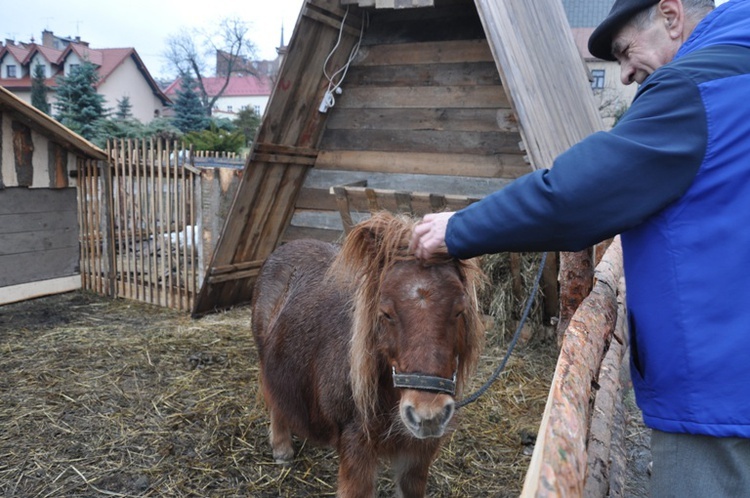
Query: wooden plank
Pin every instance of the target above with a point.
(27, 201)
(343, 206)
(33, 290)
(23, 153)
(438, 119)
(252, 231)
(39, 265)
(248, 265)
(426, 97)
(450, 164)
(58, 165)
(35, 222)
(426, 141)
(599, 441)
(405, 4)
(319, 178)
(364, 199)
(450, 51)
(543, 74)
(333, 14)
(437, 74)
(558, 464)
(38, 241)
(293, 232)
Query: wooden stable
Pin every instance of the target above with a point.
(442, 104)
(39, 224)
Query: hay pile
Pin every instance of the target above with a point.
(116, 398)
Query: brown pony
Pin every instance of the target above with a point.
(364, 349)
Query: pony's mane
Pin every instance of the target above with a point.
(369, 251)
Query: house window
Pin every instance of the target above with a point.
(256, 108)
(73, 68)
(229, 108)
(10, 71)
(597, 79)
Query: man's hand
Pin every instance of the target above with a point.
(429, 235)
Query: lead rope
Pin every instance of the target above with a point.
(524, 316)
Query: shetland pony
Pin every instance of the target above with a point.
(364, 348)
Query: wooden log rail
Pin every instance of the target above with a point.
(572, 452)
(363, 199)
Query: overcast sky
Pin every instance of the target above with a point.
(145, 24)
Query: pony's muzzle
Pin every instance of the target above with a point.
(427, 419)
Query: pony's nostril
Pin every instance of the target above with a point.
(448, 412)
(411, 417)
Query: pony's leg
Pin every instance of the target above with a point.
(281, 438)
(410, 475)
(358, 467)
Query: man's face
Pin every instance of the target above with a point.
(640, 52)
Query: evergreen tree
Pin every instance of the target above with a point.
(39, 90)
(189, 112)
(248, 122)
(80, 108)
(124, 108)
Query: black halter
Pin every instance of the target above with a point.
(423, 382)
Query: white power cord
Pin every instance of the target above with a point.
(334, 88)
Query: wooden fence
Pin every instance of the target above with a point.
(139, 225)
(579, 446)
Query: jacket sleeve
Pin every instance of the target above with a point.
(602, 186)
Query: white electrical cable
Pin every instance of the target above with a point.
(334, 88)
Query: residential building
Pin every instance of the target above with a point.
(121, 72)
(612, 96)
(241, 92)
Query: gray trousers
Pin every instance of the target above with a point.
(687, 466)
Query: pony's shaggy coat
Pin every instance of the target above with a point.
(327, 341)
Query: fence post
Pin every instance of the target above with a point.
(108, 225)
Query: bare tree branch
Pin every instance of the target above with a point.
(231, 40)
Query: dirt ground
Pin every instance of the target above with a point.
(115, 398)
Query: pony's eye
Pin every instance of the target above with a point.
(386, 315)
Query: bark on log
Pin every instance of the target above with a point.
(576, 282)
(599, 445)
(618, 453)
(558, 465)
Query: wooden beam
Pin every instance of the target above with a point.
(472, 165)
(559, 462)
(72, 140)
(23, 153)
(32, 290)
(453, 51)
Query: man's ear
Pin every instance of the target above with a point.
(672, 15)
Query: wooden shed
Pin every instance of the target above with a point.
(39, 234)
(406, 105)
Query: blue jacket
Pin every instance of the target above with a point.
(673, 177)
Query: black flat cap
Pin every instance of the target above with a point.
(600, 42)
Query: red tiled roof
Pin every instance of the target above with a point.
(239, 86)
(19, 53)
(105, 59)
(84, 53)
(52, 55)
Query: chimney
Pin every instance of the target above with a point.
(48, 39)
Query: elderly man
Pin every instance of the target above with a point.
(673, 177)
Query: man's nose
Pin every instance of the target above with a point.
(627, 74)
